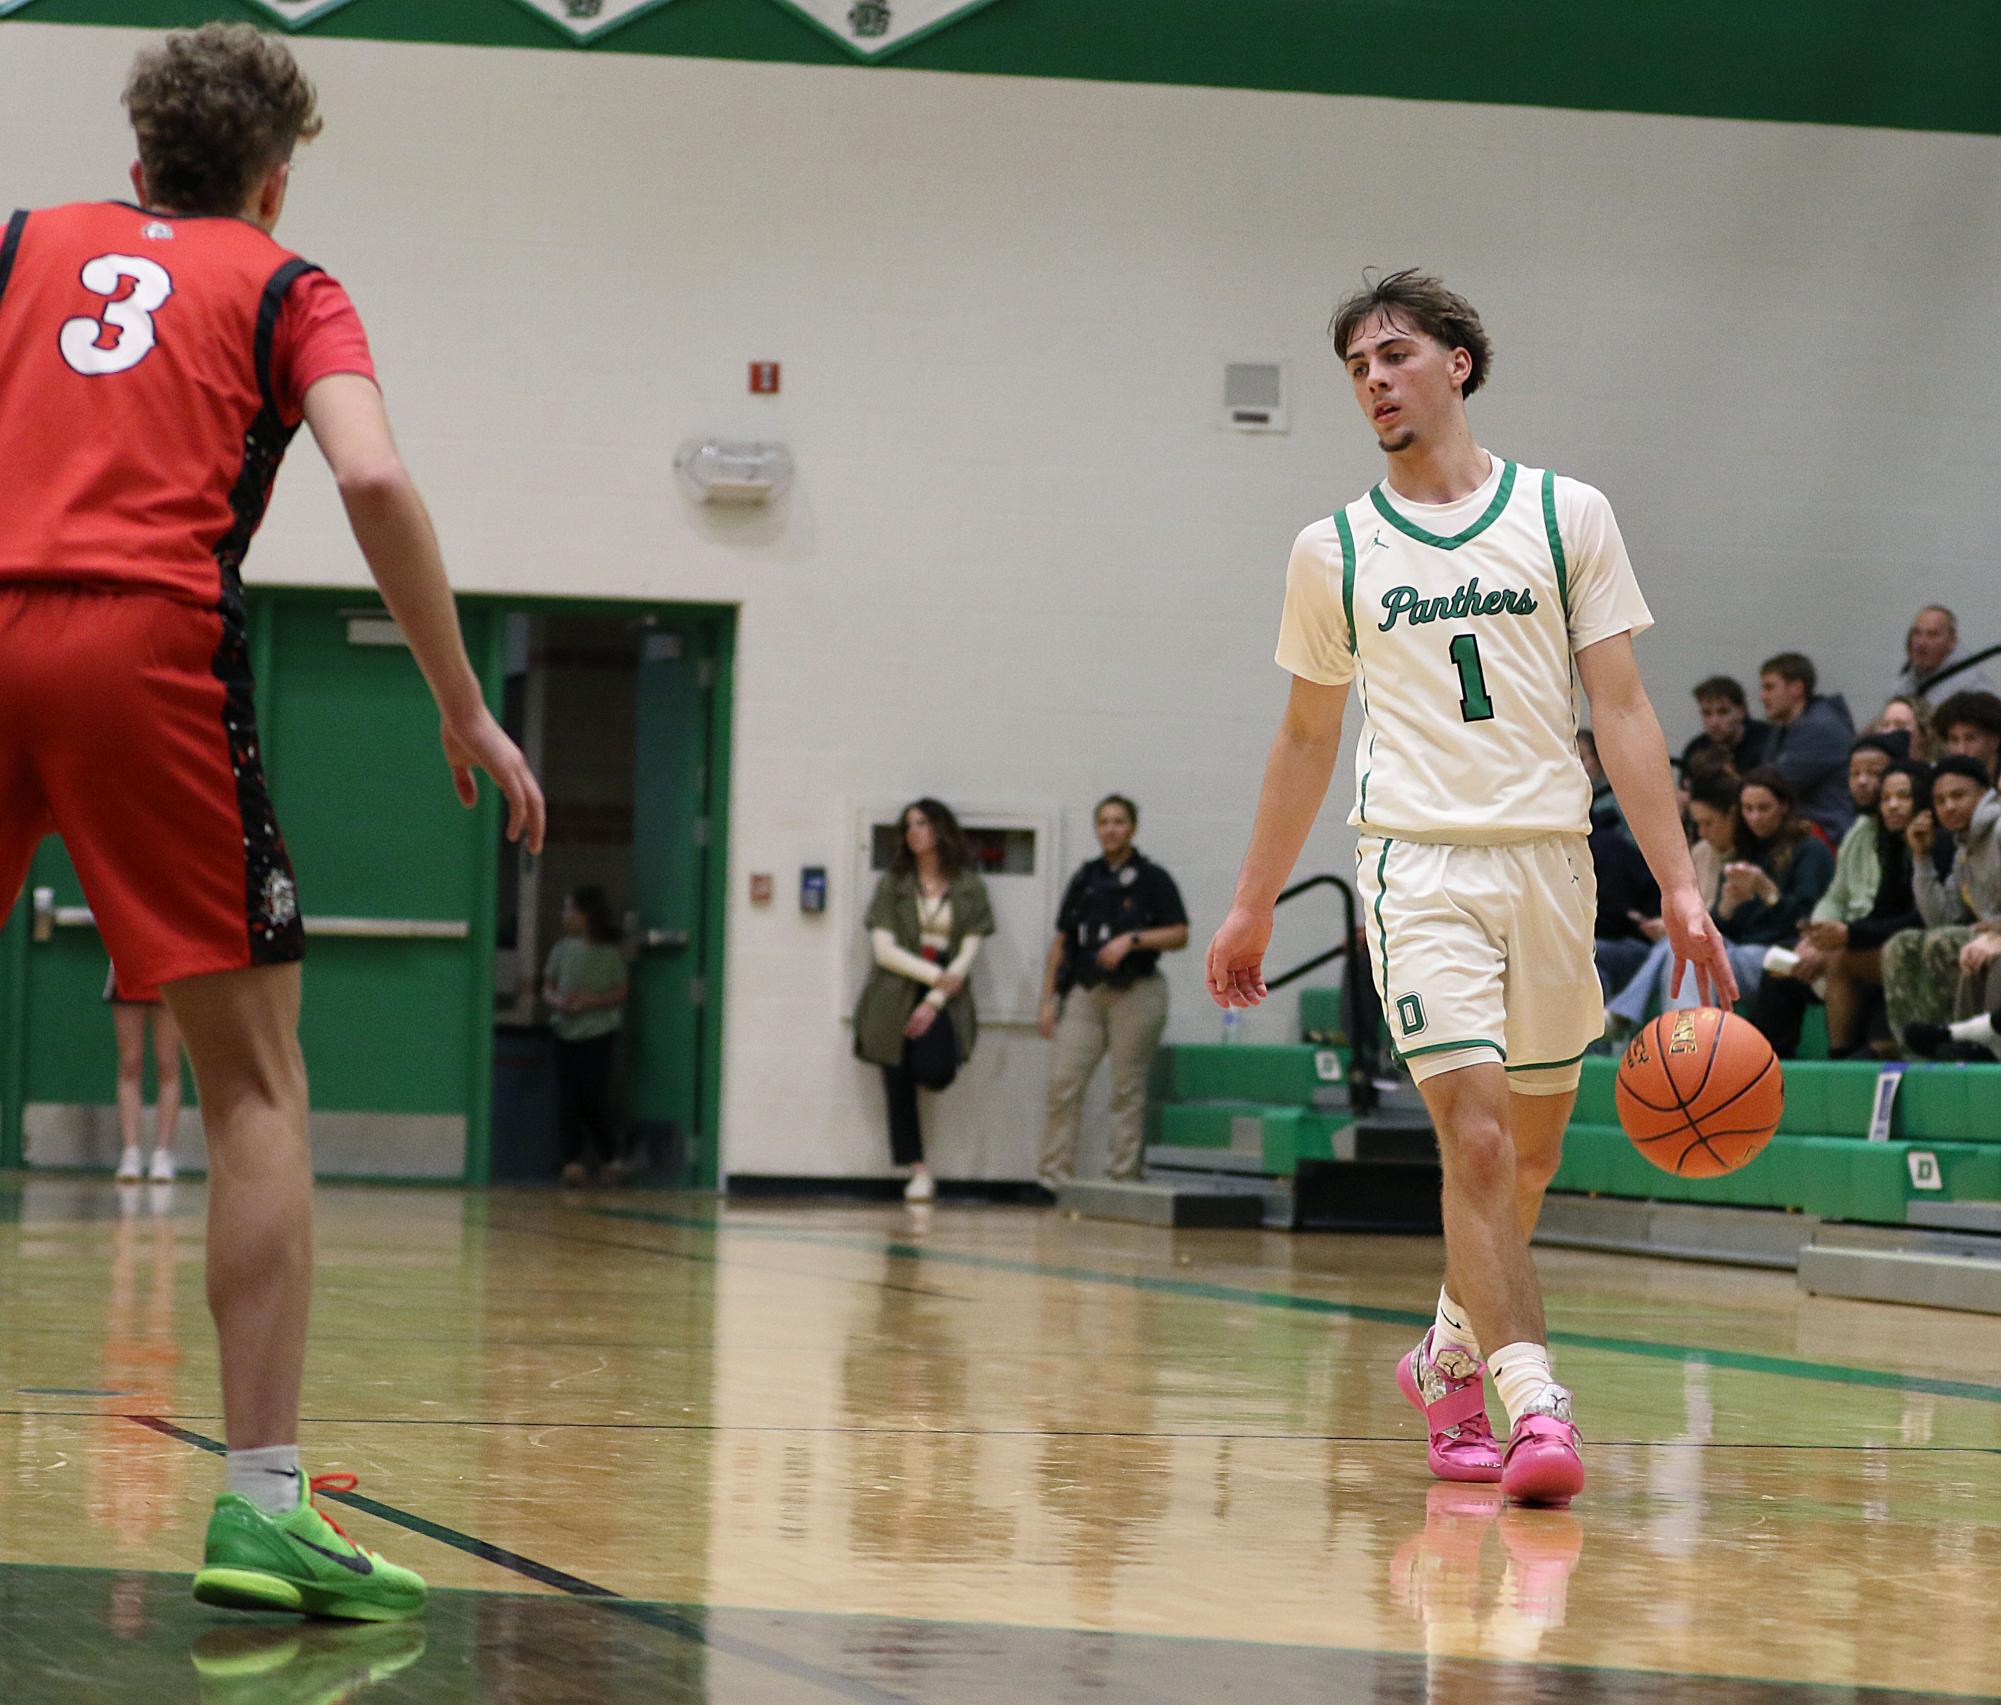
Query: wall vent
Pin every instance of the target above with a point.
(1254, 396)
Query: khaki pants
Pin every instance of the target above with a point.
(1127, 1024)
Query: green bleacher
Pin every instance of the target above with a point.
(1283, 1103)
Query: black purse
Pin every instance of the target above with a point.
(933, 1058)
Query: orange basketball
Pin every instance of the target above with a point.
(1699, 1092)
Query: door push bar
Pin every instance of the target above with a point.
(49, 917)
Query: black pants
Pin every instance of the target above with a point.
(583, 1080)
(906, 1139)
(1779, 1009)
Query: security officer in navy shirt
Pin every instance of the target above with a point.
(1102, 991)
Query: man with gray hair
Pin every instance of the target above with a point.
(1935, 665)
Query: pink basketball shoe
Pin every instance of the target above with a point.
(1451, 1390)
(1542, 1465)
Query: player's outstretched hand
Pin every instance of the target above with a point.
(1698, 943)
(1236, 967)
(477, 742)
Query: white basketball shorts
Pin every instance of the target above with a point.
(1485, 952)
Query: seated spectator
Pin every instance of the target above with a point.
(1969, 725)
(1839, 954)
(1934, 665)
(1774, 871)
(1924, 979)
(1629, 901)
(1604, 802)
(1811, 747)
(1912, 718)
(1713, 809)
(1705, 764)
(1728, 727)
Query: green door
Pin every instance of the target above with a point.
(397, 888)
(397, 1026)
(677, 863)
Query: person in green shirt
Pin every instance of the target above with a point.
(584, 987)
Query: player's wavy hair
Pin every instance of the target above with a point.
(215, 109)
(1417, 301)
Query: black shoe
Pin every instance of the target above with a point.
(1927, 1041)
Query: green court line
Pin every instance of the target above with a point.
(1740, 1361)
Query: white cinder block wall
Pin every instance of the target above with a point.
(1022, 562)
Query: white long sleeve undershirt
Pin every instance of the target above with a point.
(919, 969)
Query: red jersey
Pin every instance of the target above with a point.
(152, 372)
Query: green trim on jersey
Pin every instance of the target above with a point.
(1411, 529)
(1382, 932)
(1555, 546)
(1368, 763)
(1550, 1065)
(1347, 575)
(1441, 1047)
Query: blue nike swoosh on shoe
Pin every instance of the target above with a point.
(355, 1565)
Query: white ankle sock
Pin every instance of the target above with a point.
(1979, 1029)
(268, 1477)
(1453, 1329)
(1523, 1377)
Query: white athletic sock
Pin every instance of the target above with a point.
(269, 1477)
(1453, 1329)
(1523, 1377)
(1979, 1029)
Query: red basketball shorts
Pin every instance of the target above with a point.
(126, 728)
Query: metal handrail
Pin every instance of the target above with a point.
(49, 917)
(1361, 1032)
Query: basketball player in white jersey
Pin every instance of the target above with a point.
(1464, 597)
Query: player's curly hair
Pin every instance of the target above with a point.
(1415, 299)
(215, 109)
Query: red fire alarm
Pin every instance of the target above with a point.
(764, 378)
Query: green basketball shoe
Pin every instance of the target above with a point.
(300, 1562)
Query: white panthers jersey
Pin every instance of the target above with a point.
(1460, 622)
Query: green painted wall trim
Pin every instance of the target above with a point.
(1799, 61)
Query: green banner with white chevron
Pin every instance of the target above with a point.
(297, 14)
(586, 20)
(872, 29)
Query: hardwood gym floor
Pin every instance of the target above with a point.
(649, 1448)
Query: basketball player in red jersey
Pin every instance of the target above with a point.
(155, 361)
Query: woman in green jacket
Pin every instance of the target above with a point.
(926, 921)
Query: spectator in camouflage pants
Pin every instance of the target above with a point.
(1924, 980)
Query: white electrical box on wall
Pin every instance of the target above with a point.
(1017, 853)
(1254, 397)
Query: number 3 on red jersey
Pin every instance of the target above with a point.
(129, 315)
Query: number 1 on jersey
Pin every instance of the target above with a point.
(1474, 705)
